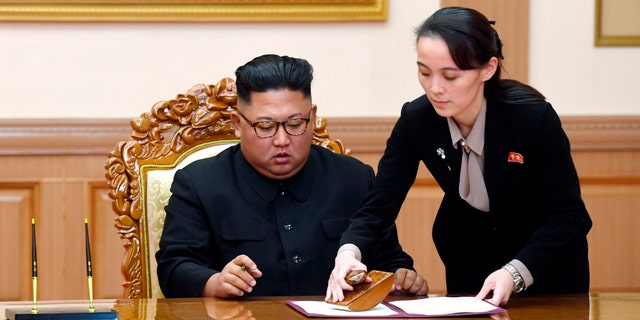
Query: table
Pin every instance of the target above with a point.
(592, 306)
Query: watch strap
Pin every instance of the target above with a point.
(518, 281)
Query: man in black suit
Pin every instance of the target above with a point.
(264, 217)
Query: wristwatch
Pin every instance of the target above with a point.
(518, 281)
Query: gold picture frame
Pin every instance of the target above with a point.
(616, 23)
(194, 10)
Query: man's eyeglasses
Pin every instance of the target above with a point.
(268, 129)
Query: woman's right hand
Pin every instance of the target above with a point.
(345, 262)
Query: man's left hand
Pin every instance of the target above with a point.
(407, 280)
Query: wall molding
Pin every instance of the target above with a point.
(99, 136)
(61, 136)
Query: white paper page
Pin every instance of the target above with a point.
(444, 305)
(321, 307)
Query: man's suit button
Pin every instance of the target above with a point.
(296, 259)
(288, 227)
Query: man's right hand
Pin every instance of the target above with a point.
(345, 262)
(237, 277)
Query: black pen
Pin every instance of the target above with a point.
(89, 271)
(34, 267)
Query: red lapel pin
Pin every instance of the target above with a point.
(515, 157)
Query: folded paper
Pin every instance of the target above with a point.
(413, 308)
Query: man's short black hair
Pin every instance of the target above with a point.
(273, 72)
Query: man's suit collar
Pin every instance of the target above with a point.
(300, 185)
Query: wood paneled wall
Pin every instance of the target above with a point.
(53, 171)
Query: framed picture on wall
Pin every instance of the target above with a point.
(617, 23)
(194, 10)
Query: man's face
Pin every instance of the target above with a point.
(282, 155)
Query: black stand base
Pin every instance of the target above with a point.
(25, 314)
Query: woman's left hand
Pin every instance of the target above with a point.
(501, 283)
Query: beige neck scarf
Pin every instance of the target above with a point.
(472, 188)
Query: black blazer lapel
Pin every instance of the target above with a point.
(446, 157)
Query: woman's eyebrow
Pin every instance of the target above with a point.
(443, 69)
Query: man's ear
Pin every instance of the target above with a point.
(235, 121)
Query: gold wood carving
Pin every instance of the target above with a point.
(160, 137)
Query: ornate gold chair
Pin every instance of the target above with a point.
(139, 171)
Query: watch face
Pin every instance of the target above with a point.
(519, 285)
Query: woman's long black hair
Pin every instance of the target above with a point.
(472, 41)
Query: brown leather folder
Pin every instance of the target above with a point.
(368, 295)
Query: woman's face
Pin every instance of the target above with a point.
(453, 92)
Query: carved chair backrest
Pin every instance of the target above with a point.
(140, 170)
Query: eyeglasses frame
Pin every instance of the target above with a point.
(278, 124)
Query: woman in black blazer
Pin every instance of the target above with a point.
(512, 217)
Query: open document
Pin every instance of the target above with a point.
(425, 307)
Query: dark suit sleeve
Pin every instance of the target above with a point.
(183, 256)
(388, 254)
(396, 173)
(565, 219)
